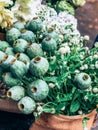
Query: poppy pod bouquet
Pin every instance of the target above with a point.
(47, 66)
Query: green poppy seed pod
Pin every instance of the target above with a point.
(49, 44)
(34, 50)
(35, 24)
(9, 51)
(5, 64)
(82, 81)
(38, 90)
(12, 35)
(3, 45)
(27, 25)
(18, 68)
(39, 66)
(20, 45)
(19, 25)
(27, 35)
(2, 56)
(16, 93)
(26, 105)
(9, 80)
(51, 32)
(22, 57)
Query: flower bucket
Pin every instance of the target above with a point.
(2, 36)
(61, 122)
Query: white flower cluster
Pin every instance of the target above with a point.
(5, 3)
(6, 15)
(61, 21)
(24, 10)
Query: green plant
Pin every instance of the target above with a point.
(59, 72)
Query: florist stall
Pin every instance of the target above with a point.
(46, 68)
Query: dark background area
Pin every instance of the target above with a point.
(12, 121)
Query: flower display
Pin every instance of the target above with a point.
(45, 62)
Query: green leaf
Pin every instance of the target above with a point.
(51, 79)
(49, 110)
(67, 97)
(74, 106)
(60, 106)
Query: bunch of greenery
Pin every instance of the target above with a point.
(57, 73)
(66, 5)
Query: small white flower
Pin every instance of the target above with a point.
(64, 62)
(61, 37)
(53, 57)
(95, 90)
(80, 112)
(92, 66)
(85, 98)
(82, 68)
(77, 71)
(35, 114)
(51, 85)
(89, 89)
(39, 109)
(64, 50)
(96, 64)
(64, 44)
(91, 58)
(86, 37)
(96, 44)
(85, 66)
(86, 48)
(95, 56)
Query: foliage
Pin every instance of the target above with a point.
(66, 57)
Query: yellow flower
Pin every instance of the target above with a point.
(6, 18)
(5, 3)
(79, 2)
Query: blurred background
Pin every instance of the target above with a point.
(88, 19)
